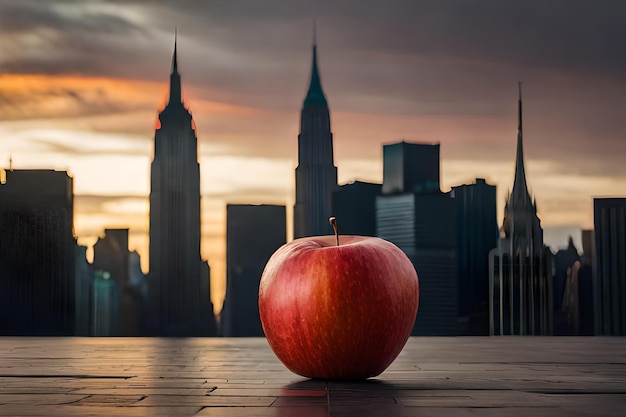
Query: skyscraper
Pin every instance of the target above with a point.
(175, 271)
(354, 206)
(253, 234)
(584, 281)
(316, 174)
(609, 289)
(82, 292)
(414, 214)
(411, 167)
(37, 253)
(520, 269)
(476, 235)
(564, 271)
(104, 315)
(111, 254)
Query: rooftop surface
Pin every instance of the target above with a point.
(453, 377)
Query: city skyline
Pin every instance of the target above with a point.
(81, 87)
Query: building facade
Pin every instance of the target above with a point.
(316, 174)
(253, 234)
(520, 267)
(175, 276)
(37, 253)
(609, 219)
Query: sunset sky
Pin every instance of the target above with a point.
(81, 83)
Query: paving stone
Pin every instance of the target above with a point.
(538, 412)
(96, 411)
(145, 391)
(312, 411)
(203, 401)
(39, 399)
(300, 402)
(399, 411)
(267, 392)
(114, 400)
(481, 398)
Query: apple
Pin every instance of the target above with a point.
(338, 308)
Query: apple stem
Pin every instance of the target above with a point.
(333, 223)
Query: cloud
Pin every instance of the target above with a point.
(221, 41)
(28, 97)
(24, 16)
(252, 195)
(61, 37)
(56, 146)
(579, 36)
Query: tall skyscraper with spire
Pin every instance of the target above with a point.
(520, 282)
(316, 174)
(178, 297)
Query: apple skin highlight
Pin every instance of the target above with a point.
(338, 312)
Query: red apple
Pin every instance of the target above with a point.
(338, 311)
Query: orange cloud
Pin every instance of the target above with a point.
(41, 96)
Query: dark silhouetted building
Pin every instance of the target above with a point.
(104, 305)
(316, 174)
(176, 290)
(569, 323)
(84, 277)
(609, 221)
(565, 272)
(210, 321)
(411, 167)
(585, 287)
(354, 206)
(520, 280)
(37, 253)
(563, 259)
(111, 254)
(416, 216)
(253, 234)
(477, 234)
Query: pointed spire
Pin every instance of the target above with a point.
(174, 57)
(315, 95)
(519, 107)
(175, 95)
(519, 195)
